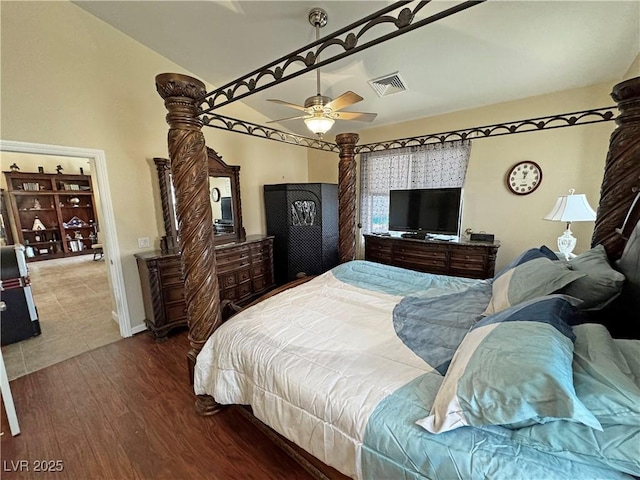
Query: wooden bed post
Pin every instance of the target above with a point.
(190, 174)
(621, 182)
(347, 196)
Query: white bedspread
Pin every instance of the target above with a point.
(312, 370)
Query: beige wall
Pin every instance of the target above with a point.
(634, 69)
(70, 79)
(569, 157)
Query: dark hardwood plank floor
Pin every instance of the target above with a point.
(125, 411)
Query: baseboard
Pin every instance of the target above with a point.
(138, 329)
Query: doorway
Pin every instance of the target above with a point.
(98, 277)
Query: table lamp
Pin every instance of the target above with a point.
(570, 208)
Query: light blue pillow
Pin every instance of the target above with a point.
(529, 280)
(606, 376)
(512, 369)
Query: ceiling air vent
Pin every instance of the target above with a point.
(388, 84)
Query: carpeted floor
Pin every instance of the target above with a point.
(73, 300)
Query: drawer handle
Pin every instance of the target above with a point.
(467, 257)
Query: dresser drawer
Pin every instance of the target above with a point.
(225, 257)
(472, 270)
(244, 289)
(264, 247)
(259, 283)
(260, 269)
(434, 265)
(170, 272)
(176, 311)
(228, 280)
(173, 294)
(236, 265)
(244, 275)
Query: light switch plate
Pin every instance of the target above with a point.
(143, 242)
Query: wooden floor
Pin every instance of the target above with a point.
(124, 411)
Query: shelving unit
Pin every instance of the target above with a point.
(54, 214)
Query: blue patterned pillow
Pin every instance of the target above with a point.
(527, 255)
(513, 369)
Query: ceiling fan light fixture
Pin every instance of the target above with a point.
(319, 124)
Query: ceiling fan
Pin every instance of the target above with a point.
(320, 111)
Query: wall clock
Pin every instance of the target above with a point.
(215, 194)
(524, 177)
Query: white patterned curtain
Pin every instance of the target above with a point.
(442, 165)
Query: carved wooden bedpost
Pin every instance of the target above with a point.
(189, 169)
(621, 181)
(347, 196)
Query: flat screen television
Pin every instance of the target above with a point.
(428, 210)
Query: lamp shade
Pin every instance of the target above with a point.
(319, 124)
(571, 208)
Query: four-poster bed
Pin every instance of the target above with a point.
(183, 97)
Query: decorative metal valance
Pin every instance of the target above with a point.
(253, 129)
(530, 125)
(346, 38)
(583, 117)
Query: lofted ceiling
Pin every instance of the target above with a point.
(493, 52)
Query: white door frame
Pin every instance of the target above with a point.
(109, 237)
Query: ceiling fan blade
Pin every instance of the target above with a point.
(344, 100)
(287, 104)
(288, 118)
(359, 116)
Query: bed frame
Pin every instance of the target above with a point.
(617, 213)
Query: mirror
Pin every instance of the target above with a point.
(224, 196)
(221, 204)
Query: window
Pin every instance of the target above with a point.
(431, 166)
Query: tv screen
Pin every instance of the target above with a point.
(429, 210)
(226, 207)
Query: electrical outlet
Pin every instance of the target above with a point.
(143, 242)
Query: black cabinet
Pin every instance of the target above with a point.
(303, 218)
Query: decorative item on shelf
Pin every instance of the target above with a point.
(78, 236)
(37, 237)
(40, 169)
(29, 252)
(38, 225)
(36, 205)
(59, 169)
(74, 222)
(570, 208)
(76, 245)
(43, 251)
(31, 186)
(67, 236)
(74, 201)
(14, 167)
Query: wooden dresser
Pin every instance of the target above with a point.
(245, 271)
(460, 259)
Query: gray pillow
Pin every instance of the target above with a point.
(600, 285)
(533, 279)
